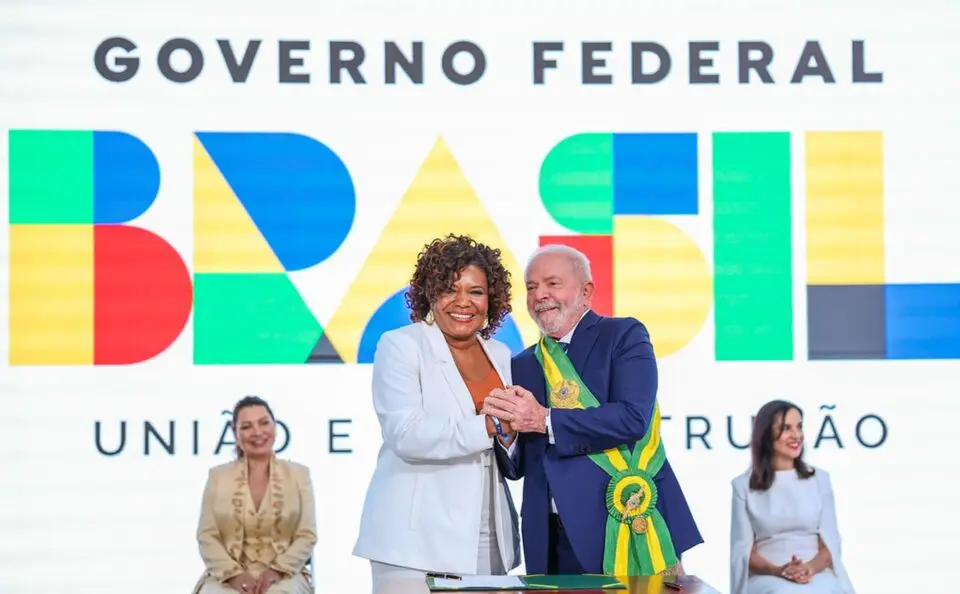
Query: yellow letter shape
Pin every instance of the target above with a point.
(439, 201)
(225, 238)
(845, 212)
(661, 278)
(51, 294)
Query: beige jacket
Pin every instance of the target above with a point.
(233, 535)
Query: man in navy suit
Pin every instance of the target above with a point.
(599, 495)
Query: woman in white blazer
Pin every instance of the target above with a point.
(784, 537)
(437, 502)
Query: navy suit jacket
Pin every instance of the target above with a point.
(614, 357)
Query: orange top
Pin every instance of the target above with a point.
(480, 389)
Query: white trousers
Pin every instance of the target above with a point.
(392, 579)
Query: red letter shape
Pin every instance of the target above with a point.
(142, 295)
(599, 250)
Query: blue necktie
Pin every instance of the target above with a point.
(564, 346)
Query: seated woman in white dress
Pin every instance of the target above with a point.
(784, 535)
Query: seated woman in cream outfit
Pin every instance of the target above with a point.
(784, 537)
(257, 525)
(437, 502)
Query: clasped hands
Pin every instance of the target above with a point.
(247, 584)
(517, 407)
(797, 571)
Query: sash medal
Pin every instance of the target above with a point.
(637, 539)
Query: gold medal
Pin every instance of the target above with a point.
(566, 395)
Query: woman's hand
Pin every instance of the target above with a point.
(510, 436)
(244, 583)
(492, 428)
(266, 581)
(802, 572)
(797, 571)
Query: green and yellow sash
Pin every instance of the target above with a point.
(638, 541)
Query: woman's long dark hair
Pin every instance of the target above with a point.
(767, 428)
(246, 402)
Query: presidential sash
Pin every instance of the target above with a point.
(637, 539)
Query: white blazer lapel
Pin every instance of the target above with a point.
(450, 372)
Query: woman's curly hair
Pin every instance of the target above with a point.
(438, 267)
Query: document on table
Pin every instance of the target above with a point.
(481, 582)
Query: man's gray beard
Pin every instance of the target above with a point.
(563, 319)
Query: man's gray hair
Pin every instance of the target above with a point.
(581, 263)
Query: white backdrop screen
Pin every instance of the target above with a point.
(209, 200)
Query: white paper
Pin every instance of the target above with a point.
(485, 582)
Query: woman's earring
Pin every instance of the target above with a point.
(429, 318)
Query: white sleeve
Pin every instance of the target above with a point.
(829, 532)
(741, 541)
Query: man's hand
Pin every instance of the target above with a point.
(266, 580)
(518, 407)
(244, 583)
